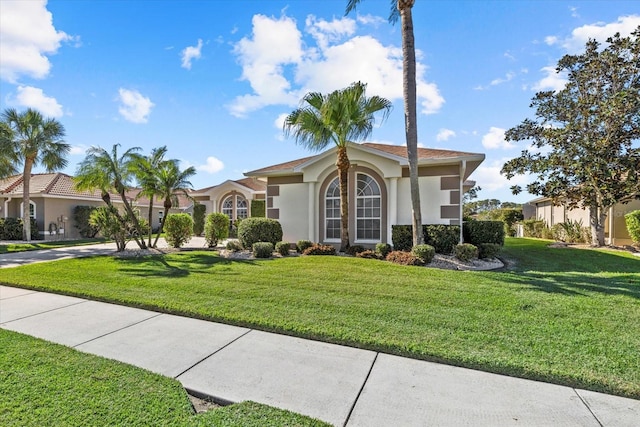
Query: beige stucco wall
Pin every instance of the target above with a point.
(431, 199)
(293, 207)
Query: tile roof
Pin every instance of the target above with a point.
(281, 166)
(251, 183)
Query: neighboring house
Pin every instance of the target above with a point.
(304, 194)
(53, 198)
(232, 198)
(615, 227)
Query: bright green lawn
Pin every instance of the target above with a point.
(567, 316)
(49, 244)
(44, 384)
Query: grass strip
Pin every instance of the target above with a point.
(41, 244)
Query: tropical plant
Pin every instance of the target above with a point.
(179, 229)
(403, 9)
(105, 219)
(216, 228)
(28, 139)
(108, 172)
(199, 211)
(341, 117)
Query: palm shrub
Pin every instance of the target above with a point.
(283, 248)
(424, 252)
(262, 249)
(178, 229)
(301, 245)
(466, 252)
(252, 230)
(216, 228)
(199, 211)
(632, 219)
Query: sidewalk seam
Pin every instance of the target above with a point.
(42, 312)
(584, 402)
(364, 383)
(119, 329)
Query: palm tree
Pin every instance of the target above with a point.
(403, 9)
(104, 171)
(145, 169)
(29, 139)
(171, 181)
(340, 117)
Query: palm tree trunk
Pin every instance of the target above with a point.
(410, 114)
(150, 219)
(26, 199)
(343, 165)
(167, 206)
(138, 237)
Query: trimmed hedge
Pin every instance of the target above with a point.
(81, 215)
(199, 211)
(466, 252)
(258, 208)
(477, 232)
(283, 248)
(262, 249)
(302, 245)
(488, 250)
(383, 249)
(252, 230)
(441, 236)
(216, 228)
(632, 220)
(11, 229)
(424, 252)
(178, 229)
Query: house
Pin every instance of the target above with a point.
(304, 194)
(53, 197)
(233, 198)
(615, 227)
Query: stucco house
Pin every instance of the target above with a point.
(304, 194)
(232, 197)
(615, 227)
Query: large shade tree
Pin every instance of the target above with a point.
(403, 9)
(586, 137)
(30, 140)
(111, 173)
(340, 117)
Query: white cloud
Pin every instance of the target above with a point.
(495, 139)
(599, 31)
(134, 106)
(212, 166)
(33, 97)
(489, 178)
(325, 32)
(27, 36)
(190, 53)
(551, 40)
(445, 134)
(508, 77)
(279, 121)
(78, 150)
(553, 81)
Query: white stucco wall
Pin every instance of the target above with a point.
(431, 198)
(293, 205)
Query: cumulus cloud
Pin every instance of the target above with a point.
(134, 107)
(78, 150)
(212, 166)
(445, 134)
(282, 63)
(599, 31)
(33, 97)
(552, 81)
(190, 53)
(489, 178)
(495, 139)
(27, 36)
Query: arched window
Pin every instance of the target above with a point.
(235, 207)
(227, 207)
(32, 209)
(332, 211)
(368, 208)
(241, 207)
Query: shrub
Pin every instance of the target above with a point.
(283, 248)
(383, 249)
(402, 237)
(403, 258)
(547, 233)
(533, 228)
(252, 230)
(632, 219)
(178, 229)
(81, 215)
(477, 232)
(488, 250)
(569, 231)
(234, 246)
(369, 254)
(105, 220)
(303, 244)
(424, 252)
(216, 228)
(199, 211)
(318, 249)
(11, 229)
(262, 249)
(442, 237)
(258, 208)
(355, 249)
(510, 216)
(466, 252)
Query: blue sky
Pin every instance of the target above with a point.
(212, 80)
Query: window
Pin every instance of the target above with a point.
(241, 207)
(32, 209)
(368, 211)
(332, 211)
(227, 207)
(160, 215)
(235, 207)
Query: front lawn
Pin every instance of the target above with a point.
(48, 384)
(567, 316)
(36, 245)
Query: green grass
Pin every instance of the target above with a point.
(48, 384)
(567, 316)
(49, 244)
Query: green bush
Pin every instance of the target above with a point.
(466, 252)
(355, 249)
(442, 237)
(510, 216)
(303, 244)
(283, 248)
(216, 228)
(403, 258)
(318, 249)
(632, 219)
(199, 211)
(11, 229)
(81, 215)
(476, 232)
(488, 250)
(533, 228)
(369, 254)
(383, 249)
(424, 252)
(402, 237)
(262, 249)
(104, 219)
(252, 230)
(234, 246)
(258, 208)
(569, 231)
(178, 229)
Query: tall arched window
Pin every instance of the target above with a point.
(227, 207)
(241, 207)
(332, 211)
(368, 208)
(32, 209)
(235, 207)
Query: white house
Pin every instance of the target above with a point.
(304, 195)
(232, 198)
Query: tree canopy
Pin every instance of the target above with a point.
(585, 148)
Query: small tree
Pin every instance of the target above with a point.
(633, 225)
(199, 211)
(216, 228)
(178, 229)
(105, 219)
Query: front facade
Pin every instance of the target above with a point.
(232, 198)
(304, 194)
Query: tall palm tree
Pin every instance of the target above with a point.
(171, 182)
(29, 139)
(340, 117)
(403, 9)
(108, 172)
(145, 169)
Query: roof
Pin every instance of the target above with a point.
(252, 184)
(423, 153)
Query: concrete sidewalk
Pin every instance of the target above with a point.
(341, 385)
